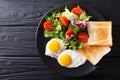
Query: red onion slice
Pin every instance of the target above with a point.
(78, 23)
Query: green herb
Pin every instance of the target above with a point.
(84, 17)
(48, 33)
(73, 44)
(77, 29)
(80, 45)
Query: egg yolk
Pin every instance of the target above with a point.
(65, 60)
(54, 46)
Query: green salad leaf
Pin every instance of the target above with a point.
(48, 34)
(73, 44)
(77, 29)
(84, 17)
(59, 30)
(80, 45)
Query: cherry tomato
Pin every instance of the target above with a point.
(69, 33)
(77, 10)
(83, 37)
(64, 21)
(48, 25)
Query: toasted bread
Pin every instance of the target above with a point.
(100, 33)
(94, 53)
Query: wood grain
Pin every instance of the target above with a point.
(19, 58)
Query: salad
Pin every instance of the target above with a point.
(69, 26)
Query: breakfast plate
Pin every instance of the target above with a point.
(42, 41)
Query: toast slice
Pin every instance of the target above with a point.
(100, 33)
(94, 53)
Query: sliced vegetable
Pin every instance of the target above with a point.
(83, 37)
(79, 23)
(48, 25)
(77, 29)
(77, 10)
(69, 33)
(64, 21)
(54, 18)
(69, 15)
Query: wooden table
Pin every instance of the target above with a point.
(19, 58)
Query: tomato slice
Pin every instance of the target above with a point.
(77, 10)
(64, 21)
(48, 25)
(69, 33)
(83, 37)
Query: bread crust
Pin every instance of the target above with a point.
(94, 53)
(100, 33)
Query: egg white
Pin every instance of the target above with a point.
(77, 58)
(48, 52)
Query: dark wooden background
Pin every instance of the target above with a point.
(19, 58)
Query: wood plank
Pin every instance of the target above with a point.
(26, 12)
(19, 59)
(30, 12)
(11, 66)
(23, 67)
(15, 14)
(20, 41)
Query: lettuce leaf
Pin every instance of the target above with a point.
(69, 15)
(84, 17)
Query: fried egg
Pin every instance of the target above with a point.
(71, 59)
(54, 47)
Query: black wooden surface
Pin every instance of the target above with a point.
(19, 58)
